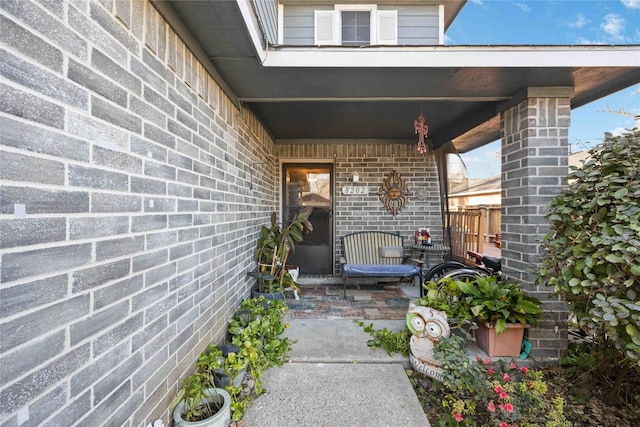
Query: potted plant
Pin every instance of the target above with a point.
(256, 330)
(445, 295)
(223, 364)
(496, 312)
(217, 391)
(200, 404)
(272, 252)
(502, 311)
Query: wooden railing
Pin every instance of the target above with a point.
(471, 228)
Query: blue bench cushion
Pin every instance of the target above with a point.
(380, 270)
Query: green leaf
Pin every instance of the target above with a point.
(621, 193)
(614, 258)
(501, 326)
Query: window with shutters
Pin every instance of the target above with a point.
(355, 25)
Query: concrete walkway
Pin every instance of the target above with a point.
(334, 379)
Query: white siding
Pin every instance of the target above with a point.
(267, 13)
(417, 25)
(298, 24)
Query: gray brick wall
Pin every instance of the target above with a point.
(126, 219)
(373, 162)
(534, 167)
(130, 200)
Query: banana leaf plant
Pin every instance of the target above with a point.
(274, 245)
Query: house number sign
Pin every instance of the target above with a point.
(355, 189)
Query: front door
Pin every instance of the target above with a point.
(309, 185)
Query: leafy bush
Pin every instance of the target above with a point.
(257, 330)
(257, 344)
(593, 248)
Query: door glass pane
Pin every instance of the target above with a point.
(309, 187)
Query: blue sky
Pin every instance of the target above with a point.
(559, 22)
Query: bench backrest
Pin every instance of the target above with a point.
(364, 247)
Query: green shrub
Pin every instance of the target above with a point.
(592, 253)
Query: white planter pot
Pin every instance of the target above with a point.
(222, 418)
(294, 271)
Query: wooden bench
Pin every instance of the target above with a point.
(375, 254)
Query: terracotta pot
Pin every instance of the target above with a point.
(507, 344)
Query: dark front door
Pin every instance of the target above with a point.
(309, 186)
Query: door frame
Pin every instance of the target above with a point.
(301, 160)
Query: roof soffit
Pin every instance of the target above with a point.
(378, 92)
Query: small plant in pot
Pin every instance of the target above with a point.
(488, 308)
(272, 252)
(502, 311)
(199, 403)
(499, 303)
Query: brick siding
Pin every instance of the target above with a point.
(132, 193)
(534, 168)
(372, 163)
(132, 169)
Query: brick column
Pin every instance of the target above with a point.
(534, 130)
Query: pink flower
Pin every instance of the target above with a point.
(506, 377)
(458, 417)
(502, 424)
(492, 371)
(508, 407)
(503, 395)
(491, 407)
(487, 361)
(498, 389)
(524, 369)
(512, 365)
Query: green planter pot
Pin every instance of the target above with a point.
(222, 418)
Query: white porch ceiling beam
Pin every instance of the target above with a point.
(454, 56)
(381, 99)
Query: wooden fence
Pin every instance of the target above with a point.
(471, 228)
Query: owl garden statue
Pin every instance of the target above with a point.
(427, 326)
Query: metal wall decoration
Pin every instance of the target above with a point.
(422, 130)
(394, 193)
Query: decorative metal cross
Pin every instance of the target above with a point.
(422, 130)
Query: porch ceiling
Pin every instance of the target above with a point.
(331, 97)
